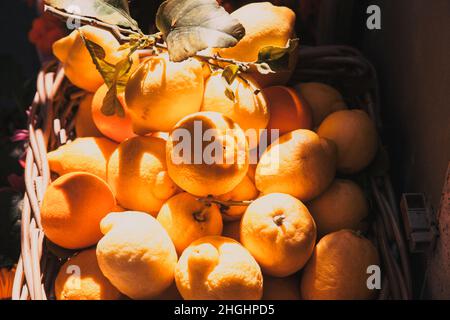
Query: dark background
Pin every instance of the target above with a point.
(410, 53)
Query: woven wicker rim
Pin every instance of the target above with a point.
(51, 125)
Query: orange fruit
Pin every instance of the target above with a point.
(186, 219)
(248, 110)
(161, 92)
(342, 206)
(218, 268)
(288, 111)
(114, 127)
(80, 278)
(322, 99)
(279, 232)
(137, 174)
(72, 209)
(338, 268)
(84, 124)
(82, 155)
(355, 136)
(299, 163)
(221, 164)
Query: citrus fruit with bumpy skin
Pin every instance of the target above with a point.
(244, 191)
(161, 92)
(114, 127)
(137, 174)
(186, 219)
(342, 206)
(136, 254)
(355, 136)
(207, 154)
(72, 209)
(82, 155)
(288, 111)
(322, 99)
(88, 284)
(78, 65)
(218, 268)
(281, 288)
(84, 124)
(279, 232)
(338, 268)
(299, 163)
(265, 25)
(248, 110)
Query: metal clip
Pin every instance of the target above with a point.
(419, 223)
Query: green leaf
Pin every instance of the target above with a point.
(189, 26)
(230, 73)
(272, 59)
(98, 55)
(115, 76)
(111, 104)
(114, 12)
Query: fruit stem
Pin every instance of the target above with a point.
(200, 216)
(279, 219)
(209, 200)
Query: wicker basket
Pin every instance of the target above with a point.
(51, 125)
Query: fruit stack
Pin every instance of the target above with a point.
(149, 218)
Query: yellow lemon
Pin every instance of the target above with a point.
(78, 65)
(218, 268)
(186, 219)
(279, 232)
(249, 108)
(355, 136)
(299, 163)
(82, 155)
(161, 92)
(338, 268)
(342, 206)
(265, 25)
(322, 99)
(137, 174)
(80, 278)
(136, 254)
(207, 154)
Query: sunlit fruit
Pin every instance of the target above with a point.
(207, 154)
(244, 191)
(279, 232)
(338, 269)
(136, 254)
(72, 209)
(355, 136)
(160, 93)
(137, 174)
(299, 163)
(80, 278)
(218, 268)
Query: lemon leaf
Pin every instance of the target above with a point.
(272, 58)
(111, 104)
(230, 73)
(114, 12)
(189, 26)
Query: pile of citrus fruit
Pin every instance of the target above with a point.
(152, 219)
